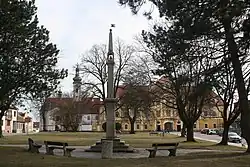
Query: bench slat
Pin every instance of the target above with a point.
(54, 147)
(164, 144)
(70, 149)
(55, 143)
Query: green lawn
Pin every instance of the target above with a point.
(138, 140)
(17, 157)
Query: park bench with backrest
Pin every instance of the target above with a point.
(51, 146)
(33, 147)
(156, 133)
(171, 147)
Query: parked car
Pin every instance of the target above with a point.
(211, 132)
(234, 137)
(204, 131)
(220, 132)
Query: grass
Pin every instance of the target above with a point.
(18, 157)
(138, 140)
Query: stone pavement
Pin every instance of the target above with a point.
(209, 138)
(142, 153)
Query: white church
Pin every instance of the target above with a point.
(90, 111)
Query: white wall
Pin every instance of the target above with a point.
(85, 128)
(14, 119)
(50, 123)
(3, 126)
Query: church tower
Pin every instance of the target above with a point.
(77, 81)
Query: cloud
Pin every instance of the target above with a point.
(76, 25)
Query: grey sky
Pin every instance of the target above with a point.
(76, 25)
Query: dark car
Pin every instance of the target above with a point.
(205, 131)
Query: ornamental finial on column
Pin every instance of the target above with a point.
(110, 48)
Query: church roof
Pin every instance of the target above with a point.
(87, 105)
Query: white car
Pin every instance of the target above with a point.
(234, 137)
(211, 132)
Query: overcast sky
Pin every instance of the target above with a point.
(76, 25)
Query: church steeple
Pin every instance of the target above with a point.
(77, 81)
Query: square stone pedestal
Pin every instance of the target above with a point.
(118, 146)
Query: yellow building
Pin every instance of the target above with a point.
(163, 118)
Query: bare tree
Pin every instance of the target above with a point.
(136, 99)
(93, 66)
(186, 87)
(68, 115)
(225, 86)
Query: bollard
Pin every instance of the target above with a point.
(107, 149)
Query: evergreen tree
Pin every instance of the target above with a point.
(27, 57)
(224, 21)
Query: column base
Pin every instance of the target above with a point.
(118, 146)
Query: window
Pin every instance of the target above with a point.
(96, 117)
(88, 118)
(158, 113)
(57, 118)
(126, 126)
(168, 112)
(214, 125)
(117, 114)
(8, 122)
(145, 126)
(206, 126)
(195, 125)
(14, 113)
(137, 126)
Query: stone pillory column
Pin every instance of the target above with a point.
(111, 143)
(110, 100)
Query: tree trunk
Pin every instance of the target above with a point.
(44, 122)
(243, 99)
(224, 140)
(1, 123)
(132, 127)
(183, 131)
(190, 133)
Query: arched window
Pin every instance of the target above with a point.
(145, 126)
(117, 114)
(214, 125)
(206, 126)
(126, 126)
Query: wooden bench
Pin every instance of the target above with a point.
(171, 147)
(156, 133)
(33, 147)
(51, 145)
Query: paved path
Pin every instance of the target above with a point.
(141, 152)
(212, 138)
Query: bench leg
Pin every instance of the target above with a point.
(172, 152)
(152, 154)
(50, 151)
(68, 153)
(36, 149)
